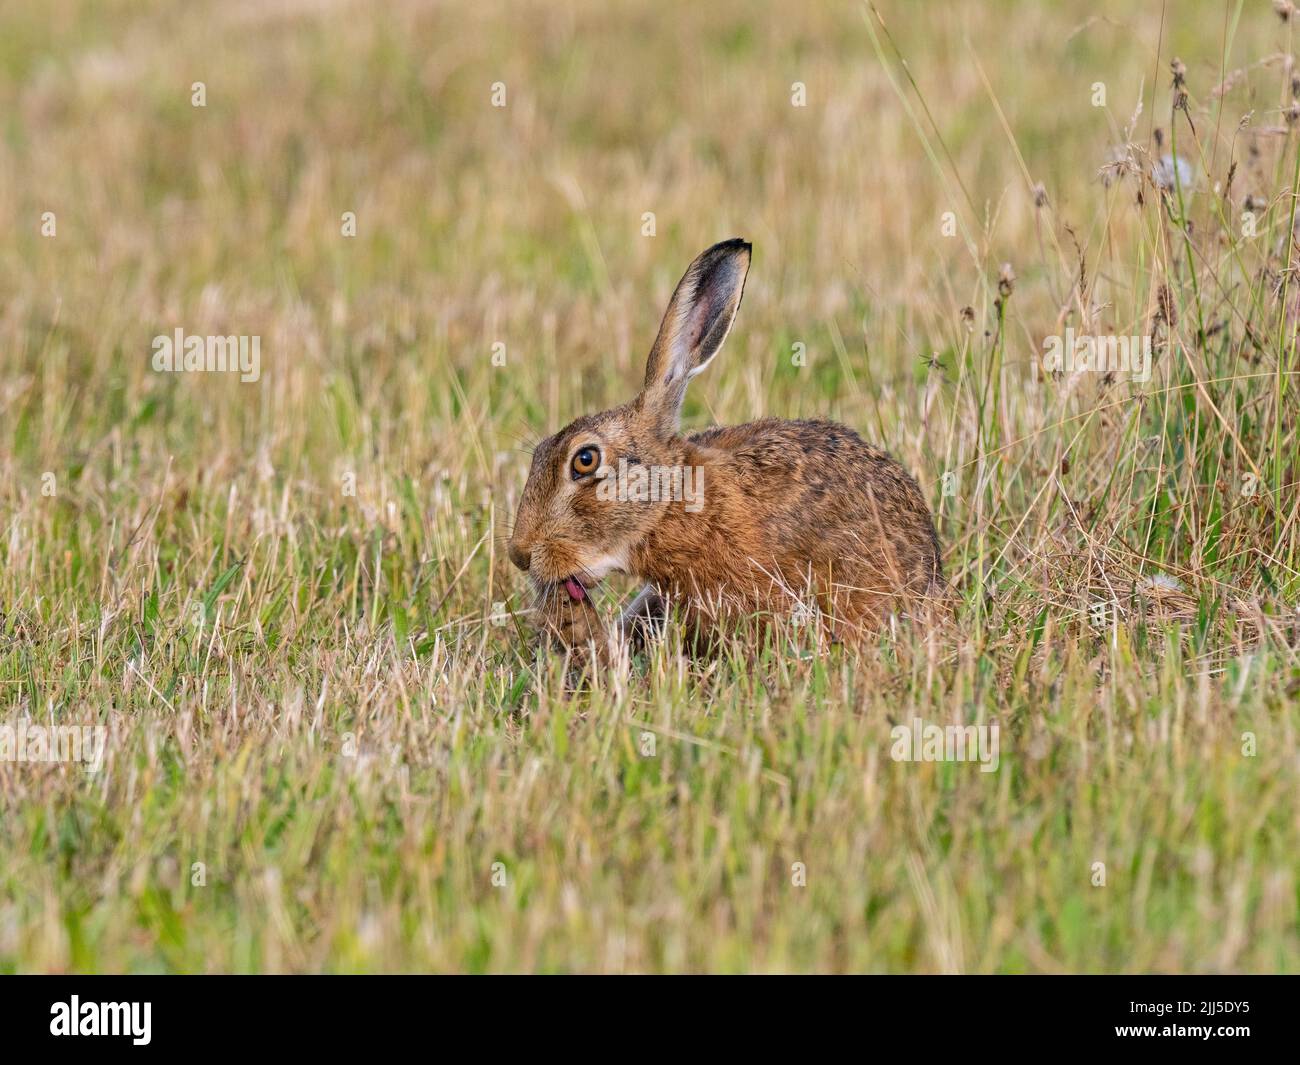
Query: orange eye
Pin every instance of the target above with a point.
(585, 462)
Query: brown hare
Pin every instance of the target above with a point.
(729, 524)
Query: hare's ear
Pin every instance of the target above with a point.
(698, 320)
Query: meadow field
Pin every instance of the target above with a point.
(330, 744)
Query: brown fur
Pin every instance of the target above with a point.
(572, 626)
(794, 514)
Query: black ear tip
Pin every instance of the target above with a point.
(726, 251)
(728, 247)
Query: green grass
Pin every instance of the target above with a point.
(322, 696)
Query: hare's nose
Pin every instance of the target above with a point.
(520, 556)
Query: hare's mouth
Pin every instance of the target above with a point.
(578, 585)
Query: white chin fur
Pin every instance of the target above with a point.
(599, 567)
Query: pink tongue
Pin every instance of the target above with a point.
(576, 591)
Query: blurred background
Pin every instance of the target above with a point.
(523, 224)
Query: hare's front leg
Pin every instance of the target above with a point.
(643, 618)
(572, 626)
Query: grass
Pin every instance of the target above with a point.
(289, 603)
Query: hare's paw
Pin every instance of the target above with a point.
(643, 619)
(574, 627)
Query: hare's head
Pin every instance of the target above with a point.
(576, 521)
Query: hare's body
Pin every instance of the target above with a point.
(772, 517)
(846, 529)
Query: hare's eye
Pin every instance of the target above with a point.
(585, 462)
